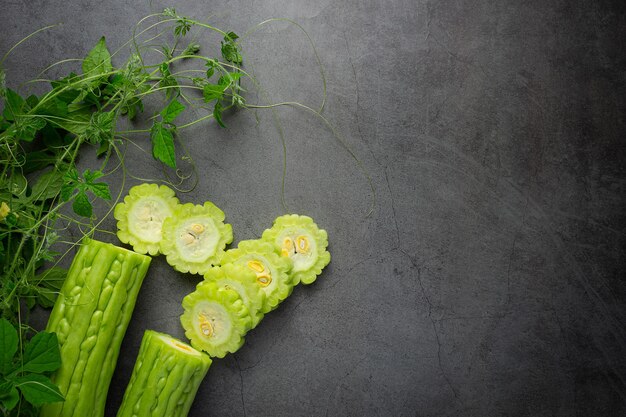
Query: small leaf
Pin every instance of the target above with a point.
(81, 205)
(217, 113)
(8, 345)
(14, 104)
(42, 353)
(98, 60)
(101, 190)
(38, 389)
(213, 92)
(163, 145)
(90, 175)
(171, 111)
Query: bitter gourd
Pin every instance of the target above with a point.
(271, 269)
(90, 318)
(194, 237)
(298, 237)
(140, 217)
(243, 281)
(165, 378)
(215, 319)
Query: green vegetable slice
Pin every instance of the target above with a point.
(215, 319)
(140, 217)
(165, 379)
(194, 237)
(272, 270)
(244, 282)
(298, 238)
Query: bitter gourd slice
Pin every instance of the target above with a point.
(90, 318)
(140, 217)
(242, 280)
(298, 237)
(165, 378)
(271, 269)
(215, 319)
(194, 237)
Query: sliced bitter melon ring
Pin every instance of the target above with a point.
(298, 237)
(194, 237)
(271, 269)
(215, 319)
(243, 281)
(140, 217)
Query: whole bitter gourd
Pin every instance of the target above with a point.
(165, 379)
(90, 318)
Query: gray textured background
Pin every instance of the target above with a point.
(489, 278)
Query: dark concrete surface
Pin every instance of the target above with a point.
(489, 279)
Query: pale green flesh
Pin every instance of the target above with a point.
(178, 345)
(219, 319)
(243, 261)
(193, 246)
(145, 218)
(301, 261)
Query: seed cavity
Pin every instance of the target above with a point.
(264, 280)
(256, 266)
(205, 325)
(197, 228)
(288, 247)
(188, 238)
(302, 244)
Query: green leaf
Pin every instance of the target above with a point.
(49, 284)
(8, 345)
(38, 389)
(18, 184)
(42, 353)
(100, 128)
(163, 144)
(13, 105)
(217, 113)
(168, 82)
(101, 190)
(171, 111)
(211, 64)
(213, 92)
(27, 127)
(98, 60)
(230, 49)
(48, 185)
(90, 176)
(81, 205)
(192, 49)
(231, 36)
(9, 397)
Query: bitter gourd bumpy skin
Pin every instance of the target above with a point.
(140, 217)
(271, 269)
(165, 378)
(298, 238)
(194, 237)
(243, 281)
(215, 319)
(90, 318)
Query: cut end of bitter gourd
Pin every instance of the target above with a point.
(271, 270)
(194, 237)
(140, 217)
(298, 238)
(244, 282)
(215, 319)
